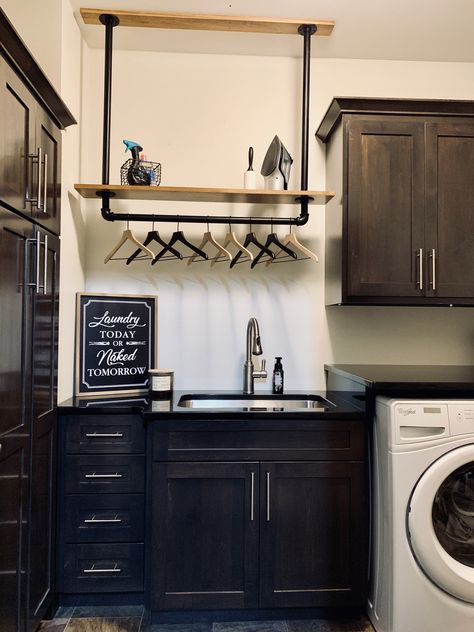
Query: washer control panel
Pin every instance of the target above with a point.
(461, 417)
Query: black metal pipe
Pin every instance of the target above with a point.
(306, 30)
(109, 21)
(111, 216)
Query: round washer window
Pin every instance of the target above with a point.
(453, 514)
(440, 522)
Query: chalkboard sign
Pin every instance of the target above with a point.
(115, 343)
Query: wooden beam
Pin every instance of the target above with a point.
(195, 21)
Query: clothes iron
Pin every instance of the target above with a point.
(276, 166)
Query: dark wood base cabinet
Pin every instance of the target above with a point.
(399, 229)
(256, 533)
(100, 544)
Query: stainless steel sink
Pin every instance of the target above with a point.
(255, 402)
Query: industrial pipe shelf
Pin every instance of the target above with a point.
(195, 21)
(107, 192)
(202, 194)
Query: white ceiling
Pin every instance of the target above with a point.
(416, 30)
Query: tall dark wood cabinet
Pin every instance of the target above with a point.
(16, 239)
(397, 232)
(30, 149)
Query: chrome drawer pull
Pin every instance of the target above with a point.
(268, 496)
(420, 268)
(95, 520)
(94, 475)
(102, 570)
(252, 496)
(104, 434)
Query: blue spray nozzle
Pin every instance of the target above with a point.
(130, 144)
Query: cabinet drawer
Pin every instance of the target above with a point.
(105, 474)
(104, 518)
(92, 434)
(337, 440)
(103, 568)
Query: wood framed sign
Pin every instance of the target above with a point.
(116, 338)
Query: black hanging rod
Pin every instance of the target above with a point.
(111, 216)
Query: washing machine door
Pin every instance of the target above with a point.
(440, 522)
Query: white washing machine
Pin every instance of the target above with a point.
(422, 567)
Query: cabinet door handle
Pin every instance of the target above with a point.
(433, 269)
(420, 268)
(38, 261)
(104, 434)
(268, 496)
(94, 475)
(95, 520)
(38, 196)
(102, 570)
(45, 268)
(45, 183)
(252, 495)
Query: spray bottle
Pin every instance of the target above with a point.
(137, 175)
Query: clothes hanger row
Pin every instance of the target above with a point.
(232, 251)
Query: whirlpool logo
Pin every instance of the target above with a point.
(406, 411)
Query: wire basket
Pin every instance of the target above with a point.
(143, 172)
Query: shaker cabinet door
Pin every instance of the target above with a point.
(385, 208)
(205, 535)
(449, 208)
(313, 534)
(46, 177)
(17, 132)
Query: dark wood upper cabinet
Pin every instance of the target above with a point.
(30, 144)
(399, 232)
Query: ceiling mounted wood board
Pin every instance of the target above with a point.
(195, 21)
(202, 194)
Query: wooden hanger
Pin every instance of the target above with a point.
(231, 239)
(127, 235)
(208, 238)
(272, 240)
(178, 237)
(251, 239)
(153, 237)
(291, 240)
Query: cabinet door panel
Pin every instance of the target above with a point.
(205, 535)
(15, 313)
(385, 205)
(13, 532)
(41, 517)
(48, 139)
(16, 136)
(450, 200)
(313, 541)
(45, 336)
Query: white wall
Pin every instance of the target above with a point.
(38, 22)
(198, 115)
(73, 231)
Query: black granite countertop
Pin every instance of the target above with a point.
(410, 377)
(345, 405)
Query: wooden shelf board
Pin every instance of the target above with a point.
(200, 194)
(196, 21)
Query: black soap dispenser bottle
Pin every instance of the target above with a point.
(278, 377)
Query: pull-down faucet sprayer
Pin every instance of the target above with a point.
(254, 347)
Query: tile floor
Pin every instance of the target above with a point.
(130, 619)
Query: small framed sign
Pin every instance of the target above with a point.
(116, 338)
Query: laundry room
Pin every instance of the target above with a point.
(236, 310)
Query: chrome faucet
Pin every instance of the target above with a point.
(254, 347)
